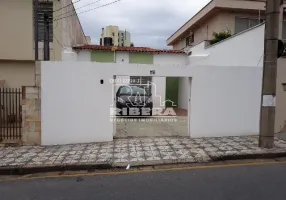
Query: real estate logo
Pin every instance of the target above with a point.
(132, 99)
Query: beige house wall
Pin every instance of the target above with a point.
(17, 39)
(280, 117)
(16, 35)
(241, 4)
(224, 20)
(70, 27)
(227, 10)
(17, 73)
(202, 32)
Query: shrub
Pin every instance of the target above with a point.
(217, 37)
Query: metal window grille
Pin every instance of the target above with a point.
(45, 8)
(10, 113)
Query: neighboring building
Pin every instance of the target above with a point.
(88, 39)
(112, 36)
(240, 51)
(17, 57)
(220, 15)
(167, 88)
(124, 39)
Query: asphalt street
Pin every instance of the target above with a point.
(252, 182)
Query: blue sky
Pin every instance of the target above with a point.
(150, 22)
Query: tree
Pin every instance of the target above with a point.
(217, 37)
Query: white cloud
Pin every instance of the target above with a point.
(150, 22)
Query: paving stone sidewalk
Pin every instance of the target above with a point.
(136, 152)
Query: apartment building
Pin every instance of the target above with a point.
(17, 53)
(221, 15)
(112, 36)
(124, 39)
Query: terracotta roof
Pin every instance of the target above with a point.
(129, 49)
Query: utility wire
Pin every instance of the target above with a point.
(88, 10)
(72, 3)
(59, 42)
(78, 8)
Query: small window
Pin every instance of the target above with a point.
(190, 40)
(113, 34)
(253, 22)
(242, 24)
(284, 30)
(45, 8)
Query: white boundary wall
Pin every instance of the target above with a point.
(225, 101)
(76, 106)
(243, 49)
(158, 59)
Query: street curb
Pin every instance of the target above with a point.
(19, 170)
(24, 170)
(248, 156)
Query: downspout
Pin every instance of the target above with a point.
(114, 55)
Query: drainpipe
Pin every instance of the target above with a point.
(36, 35)
(114, 49)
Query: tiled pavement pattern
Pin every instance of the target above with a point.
(156, 128)
(140, 151)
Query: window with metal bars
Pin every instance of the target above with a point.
(190, 40)
(45, 8)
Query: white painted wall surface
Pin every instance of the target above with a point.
(243, 49)
(84, 56)
(158, 91)
(199, 49)
(170, 59)
(225, 101)
(184, 90)
(76, 107)
(121, 58)
(159, 94)
(160, 82)
(69, 55)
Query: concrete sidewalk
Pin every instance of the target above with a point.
(136, 152)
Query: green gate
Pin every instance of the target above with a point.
(172, 91)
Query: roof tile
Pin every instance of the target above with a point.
(129, 49)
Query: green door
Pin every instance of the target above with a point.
(172, 90)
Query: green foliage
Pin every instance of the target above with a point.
(217, 37)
